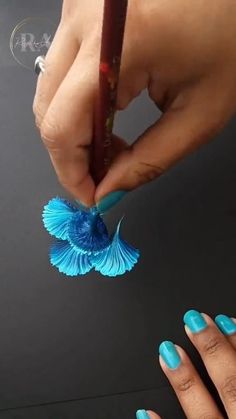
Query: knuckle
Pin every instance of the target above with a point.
(228, 389)
(52, 135)
(148, 172)
(35, 107)
(185, 384)
(70, 184)
(38, 114)
(37, 122)
(212, 346)
(67, 183)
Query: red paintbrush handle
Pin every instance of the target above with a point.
(111, 49)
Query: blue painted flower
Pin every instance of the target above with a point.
(83, 241)
(87, 232)
(117, 258)
(68, 260)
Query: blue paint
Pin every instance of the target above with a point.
(195, 321)
(117, 259)
(169, 354)
(69, 261)
(56, 215)
(84, 243)
(87, 232)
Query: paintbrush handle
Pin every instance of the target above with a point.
(111, 49)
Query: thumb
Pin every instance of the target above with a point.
(182, 129)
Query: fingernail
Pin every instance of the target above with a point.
(110, 200)
(142, 414)
(195, 321)
(169, 354)
(225, 324)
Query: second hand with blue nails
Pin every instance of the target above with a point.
(83, 242)
(196, 323)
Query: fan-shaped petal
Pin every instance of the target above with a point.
(68, 260)
(117, 259)
(56, 215)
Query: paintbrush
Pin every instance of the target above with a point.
(114, 18)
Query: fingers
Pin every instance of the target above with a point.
(193, 396)
(58, 61)
(218, 355)
(63, 108)
(190, 121)
(66, 128)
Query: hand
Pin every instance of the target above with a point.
(218, 352)
(183, 52)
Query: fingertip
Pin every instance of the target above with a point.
(170, 355)
(162, 363)
(83, 200)
(109, 201)
(83, 192)
(146, 414)
(195, 321)
(119, 176)
(225, 324)
(187, 330)
(208, 319)
(153, 415)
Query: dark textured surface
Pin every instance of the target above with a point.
(91, 337)
(113, 407)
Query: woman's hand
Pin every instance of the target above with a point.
(183, 52)
(217, 348)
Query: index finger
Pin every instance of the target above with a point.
(68, 124)
(193, 396)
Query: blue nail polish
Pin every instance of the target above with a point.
(195, 321)
(225, 324)
(169, 354)
(142, 414)
(110, 200)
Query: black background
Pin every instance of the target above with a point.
(87, 348)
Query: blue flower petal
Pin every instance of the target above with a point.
(68, 260)
(87, 232)
(56, 215)
(117, 259)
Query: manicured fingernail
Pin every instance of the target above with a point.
(169, 354)
(225, 324)
(195, 321)
(142, 414)
(110, 200)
